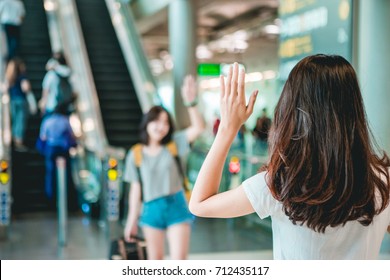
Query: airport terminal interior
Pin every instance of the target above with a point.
(128, 55)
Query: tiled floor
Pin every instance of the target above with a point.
(34, 236)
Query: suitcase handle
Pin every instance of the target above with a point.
(137, 237)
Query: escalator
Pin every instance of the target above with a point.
(119, 105)
(28, 167)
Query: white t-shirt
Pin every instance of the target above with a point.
(11, 12)
(352, 241)
(50, 83)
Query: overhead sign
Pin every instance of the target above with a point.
(313, 26)
(215, 69)
(209, 69)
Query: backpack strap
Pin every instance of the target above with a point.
(172, 148)
(137, 153)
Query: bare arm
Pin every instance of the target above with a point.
(388, 229)
(189, 94)
(26, 86)
(133, 212)
(42, 102)
(204, 200)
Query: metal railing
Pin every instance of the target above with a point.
(250, 162)
(5, 120)
(135, 57)
(62, 204)
(5, 146)
(91, 156)
(64, 16)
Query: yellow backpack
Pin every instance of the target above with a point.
(172, 148)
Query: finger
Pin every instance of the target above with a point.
(191, 80)
(241, 86)
(193, 89)
(251, 103)
(184, 88)
(228, 80)
(222, 82)
(233, 89)
(192, 84)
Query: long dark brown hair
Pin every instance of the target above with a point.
(15, 68)
(323, 167)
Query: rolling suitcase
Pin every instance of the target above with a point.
(122, 250)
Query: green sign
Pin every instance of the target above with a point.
(209, 69)
(313, 26)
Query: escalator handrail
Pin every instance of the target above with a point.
(133, 52)
(88, 102)
(5, 117)
(66, 35)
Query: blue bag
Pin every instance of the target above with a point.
(40, 145)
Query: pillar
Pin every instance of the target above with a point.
(373, 58)
(182, 41)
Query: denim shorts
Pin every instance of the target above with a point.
(166, 211)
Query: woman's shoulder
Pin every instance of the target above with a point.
(260, 196)
(51, 75)
(257, 185)
(258, 179)
(136, 149)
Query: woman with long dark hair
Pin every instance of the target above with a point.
(18, 87)
(324, 187)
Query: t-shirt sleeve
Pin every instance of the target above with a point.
(47, 80)
(130, 174)
(183, 146)
(259, 195)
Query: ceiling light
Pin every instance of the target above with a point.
(50, 5)
(269, 75)
(240, 44)
(168, 64)
(203, 52)
(165, 55)
(271, 29)
(156, 66)
(241, 35)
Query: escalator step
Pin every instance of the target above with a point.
(118, 101)
(28, 169)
